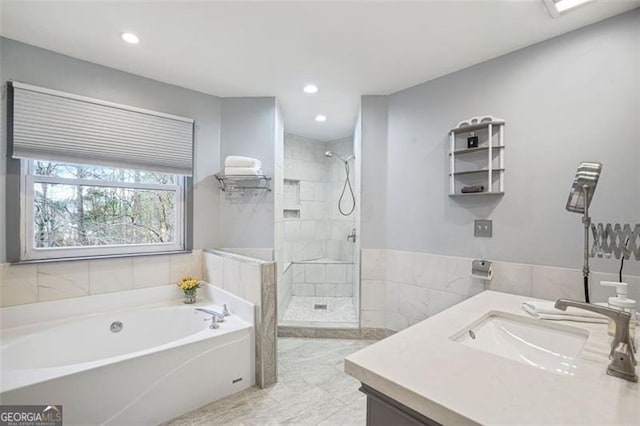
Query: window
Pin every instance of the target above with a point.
(97, 178)
(77, 210)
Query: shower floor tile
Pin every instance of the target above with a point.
(338, 310)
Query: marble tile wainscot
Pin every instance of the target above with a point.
(402, 288)
(254, 280)
(42, 282)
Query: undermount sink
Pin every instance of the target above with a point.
(548, 346)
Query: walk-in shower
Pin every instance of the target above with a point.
(319, 282)
(347, 183)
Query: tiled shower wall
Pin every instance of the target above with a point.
(42, 282)
(401, 288)
(313, 227)
(323, 279)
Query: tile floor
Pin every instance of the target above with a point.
(339, 310)
(312, 390)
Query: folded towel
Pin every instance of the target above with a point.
(547, 311)
(551, 317)
(239, 161)
(242, 171)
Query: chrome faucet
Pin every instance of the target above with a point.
(352, 236)
(215, 316)
(622, 355)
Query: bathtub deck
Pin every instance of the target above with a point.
(312, 390)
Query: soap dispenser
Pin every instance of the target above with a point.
(622, 303)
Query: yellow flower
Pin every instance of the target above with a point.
(189, 283)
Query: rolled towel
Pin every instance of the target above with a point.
(242, 171)
(472, 189)
(239, 161)
(547, 311)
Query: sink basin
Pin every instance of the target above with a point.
(544, 345)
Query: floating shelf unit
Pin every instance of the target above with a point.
(484, 164)
(241, 184)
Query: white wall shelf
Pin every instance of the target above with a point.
(468, 172)
(481, 166)
(473, 194)
(470, 150)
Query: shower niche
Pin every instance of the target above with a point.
(319, 279)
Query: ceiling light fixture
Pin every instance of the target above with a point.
(559, 7)
(321, 118)
(130, 38)
(310, 88)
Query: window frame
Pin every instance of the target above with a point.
(29, 252)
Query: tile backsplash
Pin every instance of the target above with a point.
(401, 288)
(42, 282)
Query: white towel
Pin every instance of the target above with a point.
(547, 311)
(239, 161)
(242, 171)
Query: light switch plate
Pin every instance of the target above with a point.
(483, 228)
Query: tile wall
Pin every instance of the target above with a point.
(253, 280)
(401, 288)
(257, 253)
(42, 282)
(323, 279)
(313, 184)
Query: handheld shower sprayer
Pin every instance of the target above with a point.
(347, 183)
(330, 154)
(582, 190)
(584, 185)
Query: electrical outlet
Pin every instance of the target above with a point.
(483, 228)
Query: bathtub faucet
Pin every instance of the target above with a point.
(217, 316)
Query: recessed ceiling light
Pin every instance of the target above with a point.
(310, 88)
(558, 7)
(321, 118)
(130, 38)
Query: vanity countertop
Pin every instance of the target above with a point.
(422, 368)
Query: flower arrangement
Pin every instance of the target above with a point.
(189, 286)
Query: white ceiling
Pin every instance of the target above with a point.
(269, 48)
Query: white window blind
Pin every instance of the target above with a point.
(58, 126)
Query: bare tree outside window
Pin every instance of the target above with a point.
(75, 206)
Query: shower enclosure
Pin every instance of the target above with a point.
(319, 276)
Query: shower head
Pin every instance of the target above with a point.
(585, 182)
(330, 154)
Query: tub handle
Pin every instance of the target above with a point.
(214, 322)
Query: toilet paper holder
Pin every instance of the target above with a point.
(481, 269)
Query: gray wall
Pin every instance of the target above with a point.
(45, 68)
(566, 100)
(248, 128)
(3, 149)
(374, 171)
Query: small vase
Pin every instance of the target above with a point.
(190, 296)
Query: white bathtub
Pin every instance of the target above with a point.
(164, 362)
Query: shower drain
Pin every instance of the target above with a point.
(116, 327)
(320, 306)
